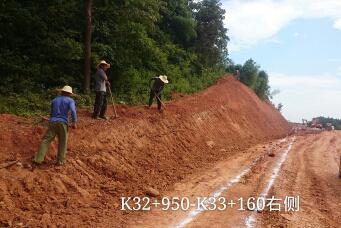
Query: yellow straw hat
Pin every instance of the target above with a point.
(66, 89)
(103, 62)
(164, 79)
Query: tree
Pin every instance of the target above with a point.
(41, 48)
(249, 73)
(252, 77)
(177, 21)
(87, 46)
(262, 88)
(48, 44)
(231, 67)
(211, 43)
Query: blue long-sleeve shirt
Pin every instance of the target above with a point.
(60, 107)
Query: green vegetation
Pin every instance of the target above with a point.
(46, 44)
(253, 77)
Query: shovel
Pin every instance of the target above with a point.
(157, 97)
(113, 103)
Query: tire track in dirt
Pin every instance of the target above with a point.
(251, 186)
(251, 219)
(237, 178)
(311, 173)
(308, 169)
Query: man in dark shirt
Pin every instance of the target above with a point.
(156, 90)
(58, 125)
(101, 83)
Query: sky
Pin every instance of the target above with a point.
(298, 43)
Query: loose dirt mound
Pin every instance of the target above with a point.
(126, 156)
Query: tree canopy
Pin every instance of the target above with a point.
(47, 44)
(253, 77)
(42, 44)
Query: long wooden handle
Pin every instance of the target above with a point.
(157, 97)
(112, 101)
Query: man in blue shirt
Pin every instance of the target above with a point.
(101, 83)
(58, 125)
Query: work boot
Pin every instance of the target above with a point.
(104, 117)
(33, 165)
(34, 162)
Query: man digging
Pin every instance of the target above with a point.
(156, 90)
(58, 125)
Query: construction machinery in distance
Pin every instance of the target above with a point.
(305, 122)
(315, 123)
(329, 126)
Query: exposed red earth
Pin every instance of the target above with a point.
(198, 143)
(310, 172)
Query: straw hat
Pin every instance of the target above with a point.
(163, 78)
(66, 89)
(103, 62)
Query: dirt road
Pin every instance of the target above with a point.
(302, 167)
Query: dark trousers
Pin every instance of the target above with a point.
(100, 104)
(151, 97)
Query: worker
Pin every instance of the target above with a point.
(237, 75)
(101, 83)
(58, 125)
(156, 90)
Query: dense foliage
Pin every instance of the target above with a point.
(43, 45)
(252, 76)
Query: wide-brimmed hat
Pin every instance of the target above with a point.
(163, 78)
(103, 62)
(66, 89)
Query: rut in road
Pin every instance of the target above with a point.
(311, 172)
(254, 185)
(231, 179)
(307, 168)
(251, 219)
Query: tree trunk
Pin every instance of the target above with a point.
(87, 47)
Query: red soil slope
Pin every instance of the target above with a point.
(108, 159)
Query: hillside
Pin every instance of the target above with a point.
(125, 156)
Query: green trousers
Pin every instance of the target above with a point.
(60, 130)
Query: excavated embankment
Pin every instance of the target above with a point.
(141, 149)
